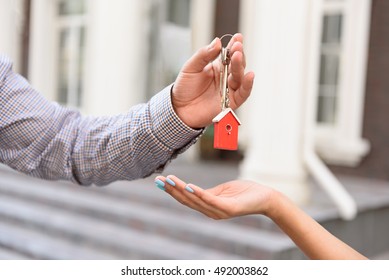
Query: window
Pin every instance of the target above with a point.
(71, 45)
(341, 81)
(170, 41)
(178, 12)
(329, 68)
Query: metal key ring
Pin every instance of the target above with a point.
(225, 36)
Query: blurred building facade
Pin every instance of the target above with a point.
(320, 71)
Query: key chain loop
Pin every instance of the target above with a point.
(226, 36)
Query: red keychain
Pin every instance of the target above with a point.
(226, 123)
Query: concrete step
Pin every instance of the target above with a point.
(368, 232)
(224, 236)
(9, 254)
(123, 241)
(31, 244)
(382, 256)
(140, 191)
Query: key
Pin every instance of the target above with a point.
(226, 123)
(225, 61)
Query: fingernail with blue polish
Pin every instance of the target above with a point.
(170, 181)
(160, 184)
(189, 189)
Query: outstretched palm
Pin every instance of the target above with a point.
(237, 198)
(231, 199)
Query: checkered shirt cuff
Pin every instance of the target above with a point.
(167, 126)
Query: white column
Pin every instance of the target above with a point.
(6, 26)
(42, 66)
(248, 29)
(202, 18)
(117, 51)
(11, 16)
(274, 112)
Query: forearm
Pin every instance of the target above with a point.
(315, 241)
(131, 145)
(43, 139)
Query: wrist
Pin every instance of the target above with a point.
(179, 110)
(163, 118)
(275, 206)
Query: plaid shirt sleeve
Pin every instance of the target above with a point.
(43, 139)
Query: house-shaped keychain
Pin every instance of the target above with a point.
(226, 130)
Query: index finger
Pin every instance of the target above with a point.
(237, 37)
(194, 197)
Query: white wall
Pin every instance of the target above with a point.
(117, 50)
(42, 71)
(11, 25)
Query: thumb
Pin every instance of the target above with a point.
(202, 57)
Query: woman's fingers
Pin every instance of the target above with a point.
(188, 195)
(174, 189)
(196, 196)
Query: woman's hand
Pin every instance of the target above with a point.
(231, 199)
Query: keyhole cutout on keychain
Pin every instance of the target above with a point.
(226, 123)
(228, 128)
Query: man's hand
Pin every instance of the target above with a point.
(195, 95)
